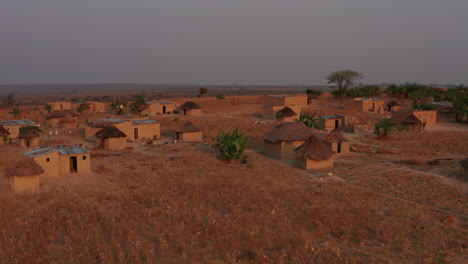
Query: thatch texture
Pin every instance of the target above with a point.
(393, 103)
(187, 127)
(4, 132)
(411, 120)
(24, 167)
(189, 105)
(315, 149)
(110, 132)
(61, 114)
(286, 112)
(335, 136)
(295, 131)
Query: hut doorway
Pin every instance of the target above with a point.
(185, 112)
(164, 109)
(338, 147)
(373, 106)
(336, 123)
(135, 133)
(177, 136)
(73, 165)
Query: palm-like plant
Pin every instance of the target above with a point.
(231, 144)
(48, 107)
(309, 119)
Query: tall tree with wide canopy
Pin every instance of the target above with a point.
(343, 79)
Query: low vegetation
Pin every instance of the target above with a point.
(309, 119)
(230, 144)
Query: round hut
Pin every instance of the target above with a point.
(412, 123)
(190, 108)
(337, 142)
(286, 114)
(188, 132)
(281, 141)
(111, 138)
(314, 154)
(29, 136)
(4, 135)
(24, 175)
(393, 106)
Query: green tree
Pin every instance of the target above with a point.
(139, 103)
(231, 145)
(119, 106)
(15, 112)
(48, 107)
(220, 97)
(313, 93)
(384, 127)
(202, 91)
(308, 119)
(9, 99)
(343, 79)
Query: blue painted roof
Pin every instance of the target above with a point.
(60, 150)
(144, 122)
(331, 116)
(22, 122)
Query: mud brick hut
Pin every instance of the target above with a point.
(286, 114)
(24, 175)
(190, 108)
(337, 142)
(92, 106)
(57, 106)
(314, 154)
(281, 141)
(123, 125)
(29, 136)
(13, 126)
(146, 128)
(412, 123)
(111, 138)
(188, 132)
(4, 135)
(427, 117)
(159, 108)
(330, 122)
(464, 167)
(62, 161)
(443, 107)
(364, 104)
(62, 119)
(393, 106)
(274, 103)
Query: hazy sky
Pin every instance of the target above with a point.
(232, 41)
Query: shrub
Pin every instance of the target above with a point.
(363, 91)
(309, 119)
(231, 144)
(313, 93)
(384, 127)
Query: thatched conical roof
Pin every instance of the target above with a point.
(61, 114)
(68, 119)
(411, 120)
(189, 105)
(187, 127)
(393, 103)
(4, 132)
(295, 131)
(287, 112)
(315, 149)
(110, 132)
(335, 136)
(24, 167)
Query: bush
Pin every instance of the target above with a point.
(363, 91)
(309, 119)
(384, 127)
(231, 144)
(422, 107)
(313, 93)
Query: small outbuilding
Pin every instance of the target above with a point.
(314, 154)
(24, 175)
(146, 128)
(190, 108)
(29, 136)
(188, 132)
(330, 122)
(159, 108)
(393, 106)
(364, 104)
(286, 114)
(62, 119)
(111, 138)
(412, 123)
(281, 141)
(13, 126)
(338, 142)
(4, 135)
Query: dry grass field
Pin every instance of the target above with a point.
(177, 203)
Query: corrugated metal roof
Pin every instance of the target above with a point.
(331, 116)
(61, 150)
(107, 122)
(22, 122)
(365, 99)
(443, 103)
(144, 122)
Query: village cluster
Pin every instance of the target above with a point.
(289, 140)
